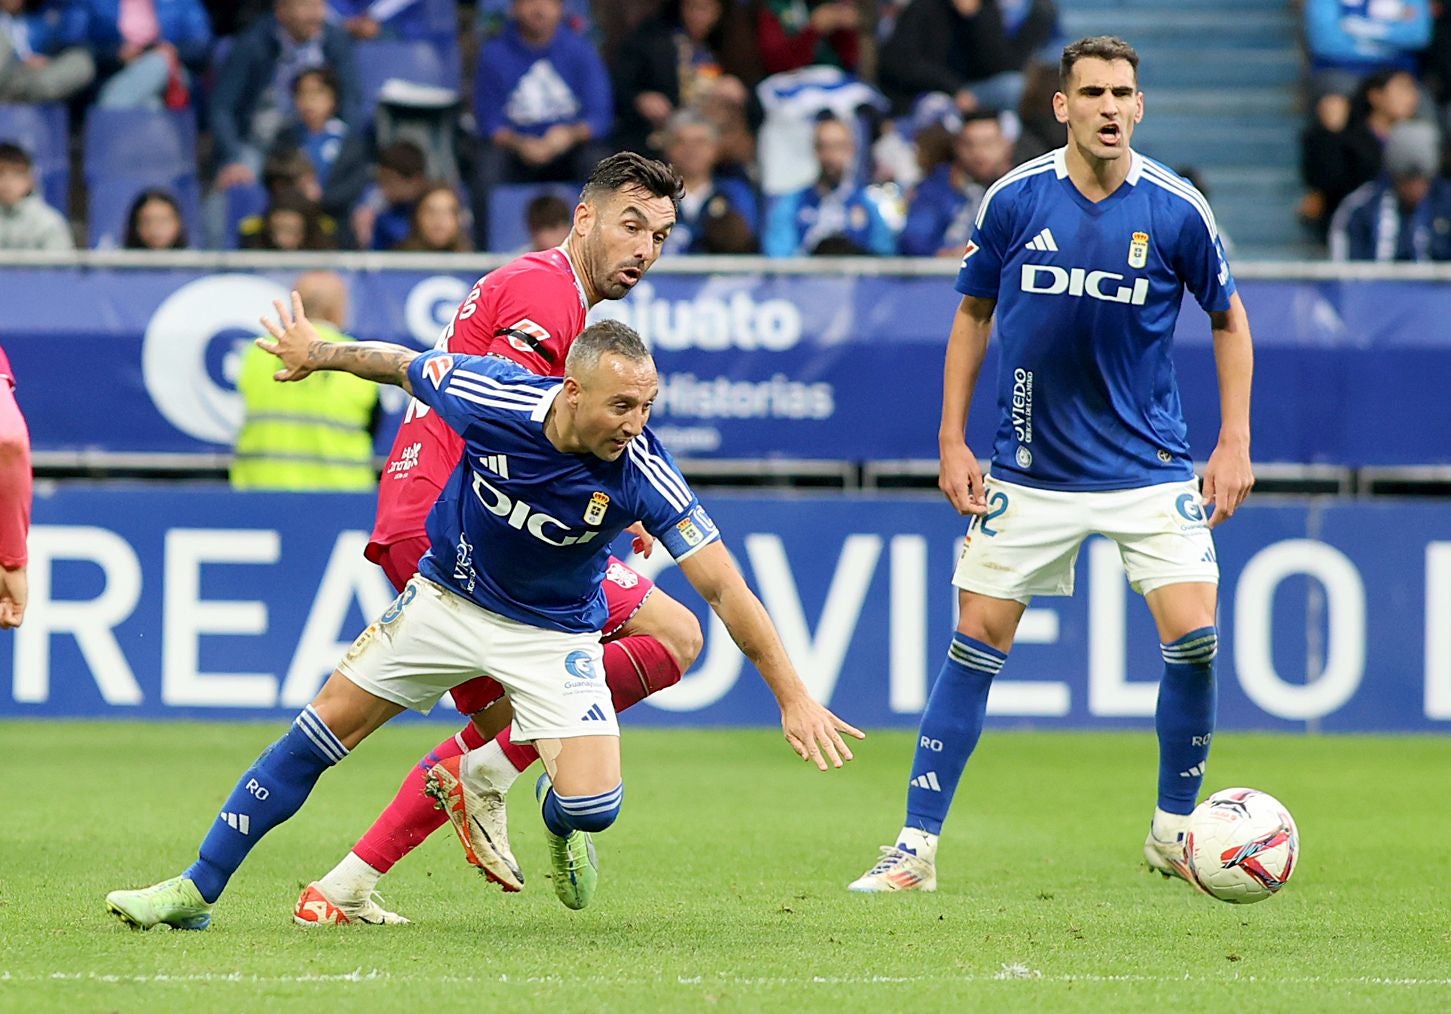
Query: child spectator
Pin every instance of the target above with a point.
(438, 223)
(291, 222)
(548, 219)
(385, 217)
(940, 218)
(42, 53)
(337, 152)
(26, 221)
(155, 223)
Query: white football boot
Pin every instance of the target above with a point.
(897, 870)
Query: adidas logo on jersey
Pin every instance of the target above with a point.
(237, 821)
(594, 714)
(1044, 242)
(496, 463)
(927, 781)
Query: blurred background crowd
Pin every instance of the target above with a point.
(799, 126)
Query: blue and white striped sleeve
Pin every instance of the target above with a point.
(464, 389)
(665, 502)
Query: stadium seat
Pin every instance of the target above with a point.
(440, 18)
(140, 142)
(243, 201)
(507, 201)
(44, 131)
(417, 62)
(111, 197)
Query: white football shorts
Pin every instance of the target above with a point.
(431, 640)
(1028, 541)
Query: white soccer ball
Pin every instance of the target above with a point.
(1241, 845)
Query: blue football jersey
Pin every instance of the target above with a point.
(1087, 297)
(524, 529)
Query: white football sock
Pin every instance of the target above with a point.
(489, 767)
(919, 841)
(350, 880)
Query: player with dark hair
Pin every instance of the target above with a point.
(1081, 257)
(528, 311)
(511, 585)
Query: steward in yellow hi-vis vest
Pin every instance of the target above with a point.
(314, 434)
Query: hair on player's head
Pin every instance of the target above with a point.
(606, 337)
(628, 171)
(1102, 47)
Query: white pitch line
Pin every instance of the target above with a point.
(1008, 973)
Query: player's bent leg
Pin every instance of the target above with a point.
(1184, 717)
(666, 620)
(479, 819)
(270, 792)
(949, 732)
(584, 796)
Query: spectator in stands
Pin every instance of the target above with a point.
(15, 493)
(286, 172)
(548, 219)
(42, 52)
(694, 50)
(692, 146)
(542, 99)
(1405, 213)
(834, 214)
(962, 48)
(316, 434)
(438, 223)
(800, 33)
(26, 221)
(384, 218)
(155, 222)
(336, 151)
(385, 19)
(493, 16)
(291, 222)
(1341, 150)
(940, 218)
(148, 50)
(1350, 39)
(252, 97)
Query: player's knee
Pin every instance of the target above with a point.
(592, 813)
(681, 634)
(1196, 648)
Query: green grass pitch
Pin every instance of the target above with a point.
(722, 884)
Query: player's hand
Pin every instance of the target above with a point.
(14, 593)
(1228, 478)
(815, 733)
(960, 479)
(294, 337)
(644, 543)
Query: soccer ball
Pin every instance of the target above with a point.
(1241, 845)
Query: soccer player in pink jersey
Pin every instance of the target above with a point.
(15, 487)
(528, 311)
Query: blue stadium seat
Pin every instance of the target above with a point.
(111, 197)
(507, 201)
(419, 62)
(440, 17)
(140, 142)
(44, 131)
(242, 202)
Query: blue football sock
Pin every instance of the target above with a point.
(271, 791)
(950, 729)
(1185, 717)
(563, 814)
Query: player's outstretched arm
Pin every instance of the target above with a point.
(1228, 477)
(302, 351)
(959, 476)
(813, 731)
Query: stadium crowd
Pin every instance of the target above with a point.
(800, 126)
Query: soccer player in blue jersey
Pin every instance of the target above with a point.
(1081, 258)
(511, 586)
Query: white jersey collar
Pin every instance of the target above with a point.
(1136, 165)
(542, 409)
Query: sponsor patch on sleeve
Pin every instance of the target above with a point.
(437, 368)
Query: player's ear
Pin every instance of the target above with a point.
(1138, 106)
(1060, 107)
(584, 213)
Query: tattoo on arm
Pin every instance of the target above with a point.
(381, 362)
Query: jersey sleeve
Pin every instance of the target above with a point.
(1201, 261)
(465, 390)
(665, 502)
(982, 260)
